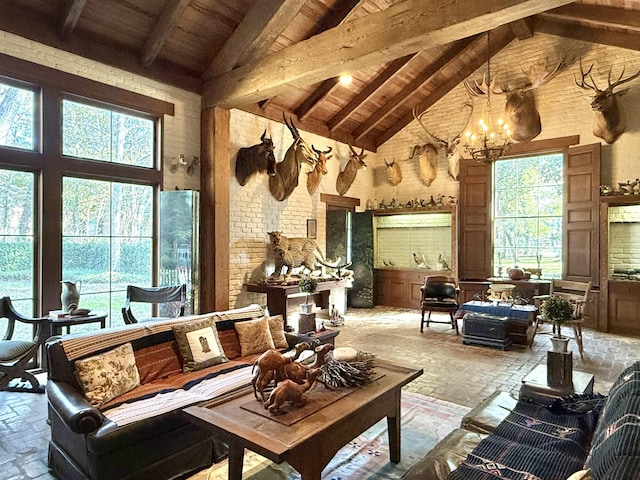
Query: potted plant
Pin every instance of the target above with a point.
(559, 311)
(307, 285)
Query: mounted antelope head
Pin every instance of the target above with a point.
(609, 119)
(255, 159)
(394, 174)
(450, 147)
(315, 175)
(348, 175)
(520, 110)
(285, 180)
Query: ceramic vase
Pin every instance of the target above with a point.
(515, 273)
(306, 308)
(70, 296)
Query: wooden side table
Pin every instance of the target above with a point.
(536, 389)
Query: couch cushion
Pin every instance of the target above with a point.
(254, 336)
(105, 376)
(615, 449)
(158, 361)
(531, 441)
(199, 345)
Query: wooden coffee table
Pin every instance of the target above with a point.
(309, 444)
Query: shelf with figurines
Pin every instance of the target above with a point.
(440, 203)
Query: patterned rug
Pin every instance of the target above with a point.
(425, 421)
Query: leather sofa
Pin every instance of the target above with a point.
(503, 438)
(87, 444)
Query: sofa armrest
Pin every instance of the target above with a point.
(73, 409)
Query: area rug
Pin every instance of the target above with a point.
(425, 421)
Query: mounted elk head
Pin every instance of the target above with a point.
(394, 174)
(315, 175)
(255, 159)
(287, 174)
(348, 175)
(609, 119)
(450, 146)
(520, 110)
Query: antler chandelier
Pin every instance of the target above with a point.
(487, 145)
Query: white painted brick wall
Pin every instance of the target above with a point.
(624, 232)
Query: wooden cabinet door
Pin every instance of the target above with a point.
(474, 213)
(581, 210)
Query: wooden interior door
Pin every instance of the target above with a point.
(581, 225)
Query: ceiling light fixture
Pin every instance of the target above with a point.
(487, 145)
(346, 79)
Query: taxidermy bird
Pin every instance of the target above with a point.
(443, 263)
(421, 262)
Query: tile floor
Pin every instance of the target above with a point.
(455, 372)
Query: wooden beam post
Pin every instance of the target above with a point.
(404, 28)
(215, 174)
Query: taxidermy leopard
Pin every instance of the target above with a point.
(295, 258)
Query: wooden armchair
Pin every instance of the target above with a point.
(577, 293)
(153, 295)
(439, 294)
(15, 355)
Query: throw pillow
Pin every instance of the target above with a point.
(105, 376)
(276, 327)
(254, 336)
(199, 344)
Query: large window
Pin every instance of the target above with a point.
(79, 183)
(527, 217)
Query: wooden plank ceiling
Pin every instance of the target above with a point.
(272, 57)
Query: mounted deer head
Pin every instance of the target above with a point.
(315, 175)
(450, 146)
(348, 175)
(609, 119)
(255, 159)
(520, 109)
(394, 174)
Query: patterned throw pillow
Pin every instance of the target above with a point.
(199, 344)
(276, 327)
(103, 377)
(254, 336)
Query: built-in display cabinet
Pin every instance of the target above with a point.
(409, 244)
(620, 264)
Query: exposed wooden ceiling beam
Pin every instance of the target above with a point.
(552, 26)
(599, 14)
(70, 17)
(254, 35)
(500, 38)
(522, 28)
(345, 11)
(448, 55)
(161, 30)
(368, 91)
(39, 28)
(404, 28)
(312, 102)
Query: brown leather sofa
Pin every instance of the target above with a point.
(87, 445)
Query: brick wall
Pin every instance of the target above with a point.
(624, 232)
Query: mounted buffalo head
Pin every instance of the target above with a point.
(255, 159)
(609, 119)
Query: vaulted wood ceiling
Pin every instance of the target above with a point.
(275, 56)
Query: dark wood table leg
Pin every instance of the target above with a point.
(393, 426)
(236, 458)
